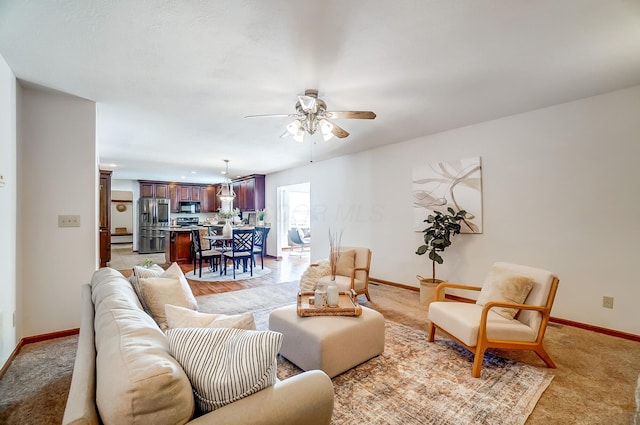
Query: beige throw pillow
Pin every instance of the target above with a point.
(505, 286)
(346, 262)
(171, 287)
(138, 271)
(180, 317)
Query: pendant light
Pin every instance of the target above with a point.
(226, 193)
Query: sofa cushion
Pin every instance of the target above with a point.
(137, 379)
(225, 365)
(180, 317)
(171, 287)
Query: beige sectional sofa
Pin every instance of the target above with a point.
(124, 374)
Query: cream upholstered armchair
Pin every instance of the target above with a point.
(512, 312)
(352, 271)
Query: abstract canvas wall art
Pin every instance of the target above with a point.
(452, 184)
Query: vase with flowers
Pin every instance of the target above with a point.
(228, 216)
(334, 256)
(260, 217)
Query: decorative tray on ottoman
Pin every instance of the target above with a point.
(347, 306)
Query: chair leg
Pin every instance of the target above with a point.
(200, 275)
(262, 260)
(541, 352)
(477, 361)
(432, 332)
(233, 264)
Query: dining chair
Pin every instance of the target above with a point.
(213, 256)
(260, 244)
(241, 249)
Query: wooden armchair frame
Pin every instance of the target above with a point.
(484, 342)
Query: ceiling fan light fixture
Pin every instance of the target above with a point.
(294, 127)
(326, 127)
(299, 136)
(226, 193)
(308, 103)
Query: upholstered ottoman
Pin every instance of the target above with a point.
(332, 344)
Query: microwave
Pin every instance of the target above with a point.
(189, 207)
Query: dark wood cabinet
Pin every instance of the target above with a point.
(178, 247)
(162, 191)
(196, 193)
(146, 190)
(174, 198)
(249, 193)
(104, 230)
(206, 195)
(184, 193)
(209, 199)
(189, 193)
(149, 189)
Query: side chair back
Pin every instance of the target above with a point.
(241, 249)
(260, 243)
(198, 254)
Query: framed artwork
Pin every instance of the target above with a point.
(452, 184)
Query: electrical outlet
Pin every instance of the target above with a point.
(607, 302)
(68, 221)
(2, 182)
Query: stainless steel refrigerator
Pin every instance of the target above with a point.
(153, 220)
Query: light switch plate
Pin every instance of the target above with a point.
(2, 182)
(68, 221)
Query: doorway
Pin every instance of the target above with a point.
(293, 213)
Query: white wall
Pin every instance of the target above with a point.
(560, 192)
(134, 187)
(57, 174)
(7, 210)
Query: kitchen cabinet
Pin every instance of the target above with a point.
(185, 192)
(209, 198)
(174, 198)
(178, 247)
(189, 193)
(104, 230)
(154, 189)
(249, 192)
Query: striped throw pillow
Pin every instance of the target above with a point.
(225, 364)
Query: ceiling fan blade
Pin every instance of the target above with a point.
(338, 131)
(365, 115)
(271, 115)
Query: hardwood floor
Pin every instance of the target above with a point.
(285, 270)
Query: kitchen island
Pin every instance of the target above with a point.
(177, 244)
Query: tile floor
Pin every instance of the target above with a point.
(123, 258)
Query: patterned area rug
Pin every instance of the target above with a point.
(214, 276)
(413, 381)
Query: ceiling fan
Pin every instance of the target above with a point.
(311, 114)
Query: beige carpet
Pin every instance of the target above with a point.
(594, 383)
(412, 382)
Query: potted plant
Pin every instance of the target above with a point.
(441, 227)
(260, 217)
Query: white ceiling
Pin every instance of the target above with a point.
(173, 80)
